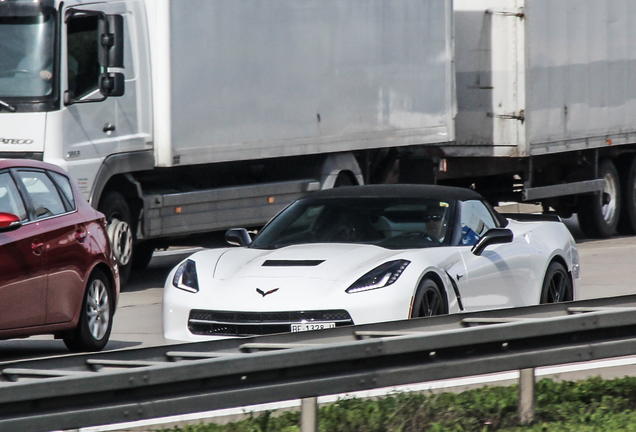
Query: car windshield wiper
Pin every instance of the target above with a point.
(10, 108)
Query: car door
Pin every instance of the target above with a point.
(63, 233)
(23, 265)
(90, 128)
(497, 277)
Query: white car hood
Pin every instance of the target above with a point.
(328, 262)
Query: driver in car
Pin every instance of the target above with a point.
(436, 224)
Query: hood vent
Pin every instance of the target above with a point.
(292, 263)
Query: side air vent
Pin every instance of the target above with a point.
(292, 263)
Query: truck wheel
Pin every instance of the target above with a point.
(117, 212)
(96, 317)
(142, 254)
(598, 213)
(627, 219)
(343, 179)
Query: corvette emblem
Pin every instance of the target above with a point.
(264, 293)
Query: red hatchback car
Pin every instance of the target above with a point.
(57, 272)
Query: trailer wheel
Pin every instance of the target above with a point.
(120, 234)
(343, 179)
(627, 219)
(598, 213)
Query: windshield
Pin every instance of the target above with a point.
(392, 223)
(26, 55)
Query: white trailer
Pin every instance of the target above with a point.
(546, 94)
(180, 117)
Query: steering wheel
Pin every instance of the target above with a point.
(421, 234)
(10, 72)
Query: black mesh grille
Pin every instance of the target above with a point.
(224, 323)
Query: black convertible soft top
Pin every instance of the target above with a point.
(442, 193)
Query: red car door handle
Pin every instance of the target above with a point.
(37, 247)
(80, 235)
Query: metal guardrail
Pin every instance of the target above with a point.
(74, 391)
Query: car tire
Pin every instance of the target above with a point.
(598, 213)
(557, 285)
(627, 219)
(142, 255)
(429, 300)
(96, 318)
(120, 231)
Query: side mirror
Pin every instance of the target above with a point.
(492, 236)
(112, 84)
(9, 222)
(111, 55)
(238, 237)
(111, 41)
(116, 31)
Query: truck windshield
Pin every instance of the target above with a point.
(26, 56)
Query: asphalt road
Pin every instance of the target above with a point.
(607, 269)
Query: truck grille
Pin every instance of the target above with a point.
(226, 323)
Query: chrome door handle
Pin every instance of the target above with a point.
(109, 127)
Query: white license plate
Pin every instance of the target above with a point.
(309, 327)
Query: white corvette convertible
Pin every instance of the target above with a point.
(364, 254)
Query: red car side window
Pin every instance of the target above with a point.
(10, 200)
(43, 193)
(65, 185)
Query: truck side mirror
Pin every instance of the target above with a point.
(111, 55)
(112, 84)
(116, 51)
(111, 41)
(492, 236)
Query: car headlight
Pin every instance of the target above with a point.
(379, 277)
(185, 277)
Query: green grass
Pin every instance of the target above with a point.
(583, 406)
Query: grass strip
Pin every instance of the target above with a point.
(593, 404)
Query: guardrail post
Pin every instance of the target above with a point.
(526, 396)
(309, 415)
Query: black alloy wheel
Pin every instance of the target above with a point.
(557, 285)
(429, 300)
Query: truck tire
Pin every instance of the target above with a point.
(142, 255)
(598, 213)
(627, 219)
(343, 179)
(120, 231)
